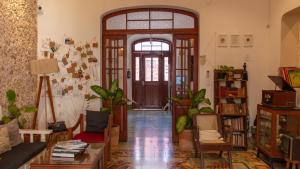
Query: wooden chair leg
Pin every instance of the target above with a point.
(201, 160)
(287, 164)
(294, 165)
(230, 160)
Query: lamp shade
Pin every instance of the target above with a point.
(44, 66)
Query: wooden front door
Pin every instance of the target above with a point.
(151, 76)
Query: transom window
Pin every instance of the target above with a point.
(146, 19)
(152, 46)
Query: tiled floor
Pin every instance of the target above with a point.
(150, 146)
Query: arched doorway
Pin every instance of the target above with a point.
(181, 25)
(151, 73)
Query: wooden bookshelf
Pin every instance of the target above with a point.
(231, 101)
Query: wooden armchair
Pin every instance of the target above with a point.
(210, 126)
(92, 137)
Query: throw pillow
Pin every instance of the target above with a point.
(4, 140)
(13, 132)
(96, 121)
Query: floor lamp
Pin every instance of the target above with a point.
(43, 67)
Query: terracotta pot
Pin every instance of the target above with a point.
(115, 135)
(186, 140)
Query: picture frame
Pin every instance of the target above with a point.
(294, 77)
(235, 40)
(248, 40)
(222, 40)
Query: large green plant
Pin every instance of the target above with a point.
(14, 111)
(196, 98)
(114, 96)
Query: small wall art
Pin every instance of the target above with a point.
(235, 40)
(248, 40)
(222, 40)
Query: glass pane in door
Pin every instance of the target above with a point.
(185, 51)
(137, 68)
(166, 68)
(155, 69)
(114, 61)
(148, 71)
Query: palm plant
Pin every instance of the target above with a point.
(113, 97)
(197, 98)
(14, 110)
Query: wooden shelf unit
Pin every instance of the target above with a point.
(231, 102)
(271, 122)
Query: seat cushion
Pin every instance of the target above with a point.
(90, 137)
(20, 154)
(4, 140)
(13, 131)
(96, 121)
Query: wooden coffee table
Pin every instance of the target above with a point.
(92, 158)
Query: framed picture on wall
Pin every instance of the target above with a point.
(294, 77)
(248, 40)
(235, 41)
(222, 40)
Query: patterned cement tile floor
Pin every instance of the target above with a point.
(150, 146)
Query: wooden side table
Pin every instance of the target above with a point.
(92, 158)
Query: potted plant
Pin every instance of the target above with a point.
(184, 123)
(224, 71)
(14, 111)
(112, 98)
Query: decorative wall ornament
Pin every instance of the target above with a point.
(18, 29)
(222, 40)
(235, 40)
(78, 66)
(248, 40)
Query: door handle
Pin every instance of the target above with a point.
(143, 83)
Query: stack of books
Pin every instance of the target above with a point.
(69, 149)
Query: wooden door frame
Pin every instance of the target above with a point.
(133, 54)
(174, 31)
(121, 119)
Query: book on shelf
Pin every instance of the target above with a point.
(236, 124)
(238, 140)
(230, 108)
(231, 92)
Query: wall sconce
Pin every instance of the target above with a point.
(128, 74)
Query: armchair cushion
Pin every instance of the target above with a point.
(210, 136)
(96, 121)
(4, 140)
(13, 132)
(90, 137)
(20, 154)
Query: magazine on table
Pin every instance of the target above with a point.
(68, 149)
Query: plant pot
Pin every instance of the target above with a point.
(186, 140)
(115, 135)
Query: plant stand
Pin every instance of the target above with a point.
(186, 140)
(115, 135)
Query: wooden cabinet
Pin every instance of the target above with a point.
(231, 102)
(271, 122)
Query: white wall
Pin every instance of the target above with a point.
(82, 20)
(278, 9)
